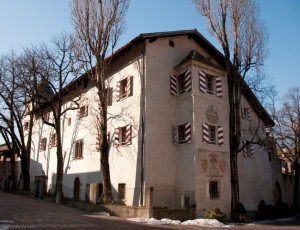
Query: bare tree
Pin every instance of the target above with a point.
(14, 108)
(242, 36)
(287, 133)
(52, 70)
(99, 25)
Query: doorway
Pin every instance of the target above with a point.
(76, 188)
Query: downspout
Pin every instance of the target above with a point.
(142, 162)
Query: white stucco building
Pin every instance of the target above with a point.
(168, 129)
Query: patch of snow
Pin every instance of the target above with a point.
(101, 213)
(165, 221)
(204, 223)
(6, 221)
(139, 219)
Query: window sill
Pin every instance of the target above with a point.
(78, 158)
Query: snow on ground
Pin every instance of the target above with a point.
(196, 222)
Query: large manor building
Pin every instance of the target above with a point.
(168, 123)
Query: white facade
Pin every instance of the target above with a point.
(168, 129)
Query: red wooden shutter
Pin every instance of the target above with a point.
(188, 80)
(219, 86)
(173, 84)
(117, 133)
(188, 137)
(128, 134)
(205, 133)
(245, 148)
(202, 82)
(129, 86)
(118, 91)
(220, 135)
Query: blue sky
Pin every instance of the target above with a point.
(30, 22)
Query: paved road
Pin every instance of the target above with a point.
(19, 212)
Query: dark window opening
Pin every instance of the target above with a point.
(181, 83)
(209, 84)
(214, 189)
(121, 191)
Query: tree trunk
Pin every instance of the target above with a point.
(234, 134)
(296, 185)
(25, 163)
(104, 160)
(13, 172)
(59, 169)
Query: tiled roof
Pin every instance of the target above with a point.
(194, 55)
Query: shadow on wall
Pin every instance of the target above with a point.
(80, 186)
(36, 169)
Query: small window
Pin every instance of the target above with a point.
(69, 121)
(214, 190)
(53, 140)
(181, 84)
(121, 191)
(122, 136)
(78, 152)
(182, 133)
(171, 43)
(209, 84)
(123, 85)
(83, 111)
(125, 88)
(212, 134)
(43, 144)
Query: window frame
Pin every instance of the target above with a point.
(125, 88)
(43, 144)
(83, 111)
(182, 133)
(122, 135)
(212, 134)
(181, 88)
(210, 84)
(78, 149)
(214, 189)
(123, 93)
(122, 191)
